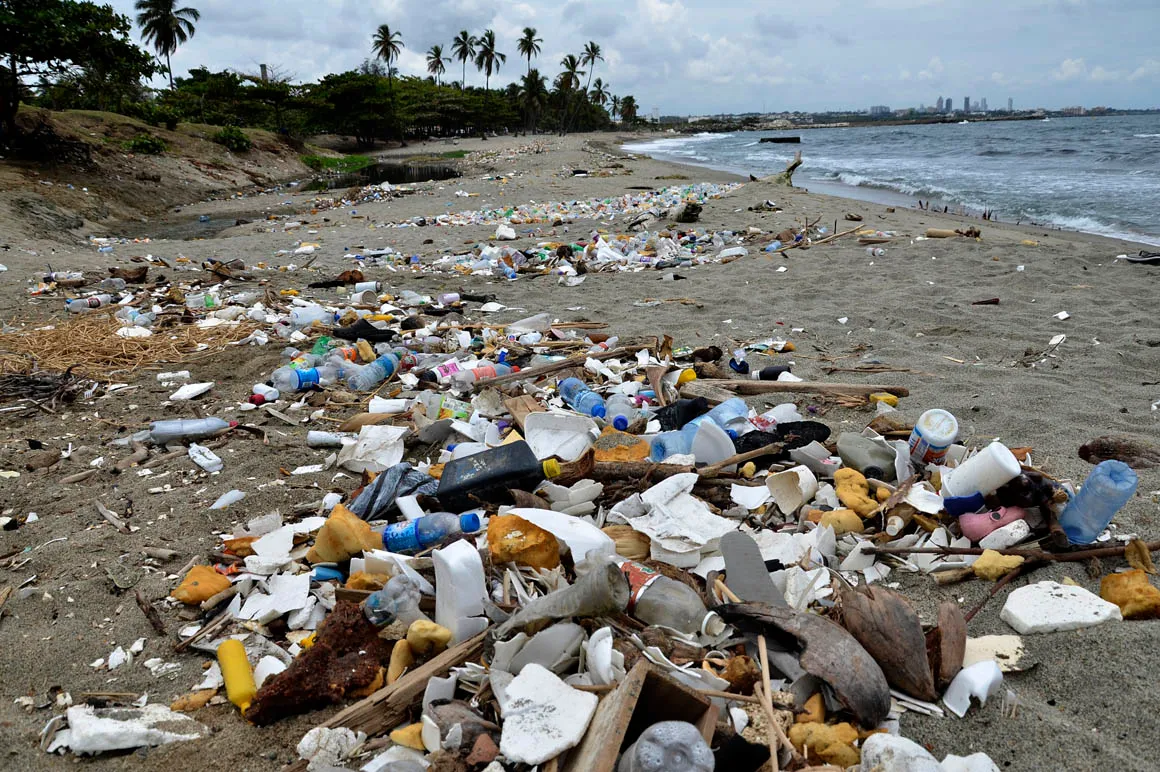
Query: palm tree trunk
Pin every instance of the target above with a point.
(169, 66)
(591, 72)
(463, 83)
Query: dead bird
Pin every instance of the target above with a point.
(1136, 454)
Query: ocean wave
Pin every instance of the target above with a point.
(1146, 136)
(672, 144)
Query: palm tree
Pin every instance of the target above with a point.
(615, 106)
(599, 92)
(387, 45)
(533, 96)
(529, 45)
(166, 27)
(488, 58)
(463, 47)
(590, 57)
(628, 109)
(569, 81)
(435, 62)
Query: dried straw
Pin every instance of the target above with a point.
(89, 344)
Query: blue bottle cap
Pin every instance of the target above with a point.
(469, 523)
(620, 423)
(963, 505)
(599, 411)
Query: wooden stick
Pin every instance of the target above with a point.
(726, 592)
(111, 516)
(213, 625)
(802, 244)
(533, 373)
(773, 735)
(150, 613)
(740, 458)
(1031, 555)
(803, 387)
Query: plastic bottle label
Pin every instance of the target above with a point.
(446, 370)
(402, 537)
(639, 578)
(922, 451)
(307, 378)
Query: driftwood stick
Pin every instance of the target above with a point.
(740, 458)
(212, 626)
(533, 373)
(804, 245)
(1031, 555)
(111, 516)
(150, 613)
(803, 387)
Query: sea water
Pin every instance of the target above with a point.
(1094, 174)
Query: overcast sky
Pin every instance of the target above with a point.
(710, 56)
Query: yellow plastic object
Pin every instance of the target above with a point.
(854, 491)
(401, 659)
(342, 536)
(237, 674)
(200, 584)
(511, 539)
(881, 396)
(424, 636)
(552, 468)
(410, 737)
(994, 566)
(1133, 593)
(686, 376)
(308, 641)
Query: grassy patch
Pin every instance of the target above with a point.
(454, 154)
(342, 164)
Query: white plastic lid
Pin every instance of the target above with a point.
(939, 427)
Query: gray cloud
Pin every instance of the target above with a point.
(698, 56)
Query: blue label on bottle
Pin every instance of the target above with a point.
(307, 378)
(402, 537)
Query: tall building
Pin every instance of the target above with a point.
(984, 104)
(1010, 105)
(879, 110)
(939, 108)
(966, 104)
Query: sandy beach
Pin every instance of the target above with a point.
(1090, 701)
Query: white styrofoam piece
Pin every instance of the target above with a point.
(897, 754)
(1048, 607)
(980, 681)
(543, 716)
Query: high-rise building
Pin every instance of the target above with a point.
(939, 108)
(984, 104)
(1010, 105)
(966, 104)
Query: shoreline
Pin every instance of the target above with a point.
(879, 195)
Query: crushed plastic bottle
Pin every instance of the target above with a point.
(429, 531)
(657, 600)
(367, 377)
(84, 305)
(621, 411)
(180, 429)
(397, 601)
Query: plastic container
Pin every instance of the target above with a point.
(205, 458)
(112, 284)
(289, 379)
(867, 456)
(84, 305)
(201, 300)
(371, 375)
(1105, 491)
(429, 531)
(368, 286)
(732, 415)
(302, 316)
(657, 600)
(581, 398)
(976, 525)
(397, 601)
(933, 434)
(985, 472)
(237, 674)
(668, 746)
(465, 378)
(448, 298)
(131, 316)
(674, 443)
(621, 411)
(178, 429)
(268, 393)
(489, 475)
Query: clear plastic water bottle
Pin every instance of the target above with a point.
(371, 375)
(429, 531)
(674, 443)
(732, 415)
(1105, 491)
(581, 398)
(668, 746)
(131, 316)
(289, 379)
(657, 600)
(112, 284)
(176, 429)
(303, 316)
(465, 378)
(621, 411)
(398, 600)
(84, 305)
(201, 300)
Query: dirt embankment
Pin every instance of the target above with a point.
(84, 176)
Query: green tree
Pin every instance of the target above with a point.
(533, 97)
(628, 109)
(568, 82)
(615, 106)
(165, 27)
(488, 58)
(529, 45)
(599, 92)
(463, 48)
(387, 45)
(589, 58)
(39, 38)
(437, 62)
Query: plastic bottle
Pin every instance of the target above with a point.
(237, 674)
(302, 316)
(991, 468)
(112, 284)
(267, 393)
(867, 456)
(1105, 491)
(933, 434)
(678, 442)
(398, 600)
(429, 531)
(621, 411)
(369, 376)
(465, 378)
(489, 475)
(657, 600)
(175, 429)
(83, 305)
(732, 415)
(131, 316)
(289, 379)
(61, 276)
(581, 398)
(372, 286)
(201, 300)
(668, 746)
(448, 298)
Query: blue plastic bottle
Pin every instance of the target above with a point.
(621, 411)
(1106, 490)
(678, 442)
(581, 398)
(430, 531)
(371, 375)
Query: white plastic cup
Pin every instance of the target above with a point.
(933, 434)
(792, 488)
(366, 286)
(985, 472)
